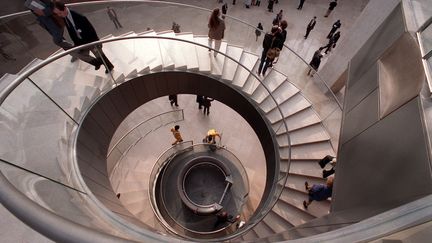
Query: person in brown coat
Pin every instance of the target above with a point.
(216, 30)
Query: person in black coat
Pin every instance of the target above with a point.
(316, 61)
(82, 32)
(207, 103)
(310, 27)
(332, 5)
(332, 42)
(336, 25)
(199, 100)
(271, 40)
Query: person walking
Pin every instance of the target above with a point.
(247, 3)
(282, 34)
(300, 6)
(224, 10)
(332, 5)
(175, 27)
(336, 25)
(332, 42)
(176, 133)
(216, 30)
(173, 100)
(310, 26)
(278, 18)
(258, 30)
(315, 62)
(318, 192)
(199, 100)
(81, 31)
(270, 5)
(113, 16)
(54, 25)
(270, 43)
(207, 103)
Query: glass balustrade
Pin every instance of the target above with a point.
(52, 109)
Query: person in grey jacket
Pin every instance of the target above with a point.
(216, 30)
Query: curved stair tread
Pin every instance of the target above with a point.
(291, 213)
(282, 93)
(173, 49)
(189, 51)
(217, 63)
(263, 230)
(276, 222)
(230, 67)
(138, 52)
(296, 198)
(308, 151)
(272, 81)
(308, 168)
(289, 107)
(299, 120)
(151, 48)
(310, 134)
(134, 196)
(242, 77)
(203, 54)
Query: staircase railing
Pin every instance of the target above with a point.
(129, 139)
(26, 84)
(238, 32)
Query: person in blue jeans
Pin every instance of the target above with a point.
(318, 192)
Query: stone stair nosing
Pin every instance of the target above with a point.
(242, 75)
(295, 198)
(217, 63)
(250, 236)
(189, 51)
(173, 50)
(121, 58)
(263, 230)
(230, 67)
(133, 45)
(308, 123)
(306, 168)
(306, 135)
(252, 82)
(276, 222)
(203, 54)
(289, 107)
(308, 151)
(151, 47)
(292, 214)
(272, 82)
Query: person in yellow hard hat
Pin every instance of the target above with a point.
(211, 138)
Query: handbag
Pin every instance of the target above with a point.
(274, 52)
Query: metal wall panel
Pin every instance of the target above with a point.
(387, 164)
(362, 88)
(361, 117)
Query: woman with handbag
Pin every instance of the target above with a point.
(216, 30)
(271, 49)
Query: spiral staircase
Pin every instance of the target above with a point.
(75, 86)
(53, 112)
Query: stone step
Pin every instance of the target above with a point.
(189, 51)
(271, 82)
(230, 66)
(172, 49)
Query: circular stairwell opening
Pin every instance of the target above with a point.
(95, 134)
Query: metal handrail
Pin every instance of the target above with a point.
(183, 5)
(139, 124)
(9, 89)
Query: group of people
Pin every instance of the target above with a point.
(333, 37)
(210, 137)
(273, 43)
(203, 102)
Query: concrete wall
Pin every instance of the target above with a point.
(383, 158)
